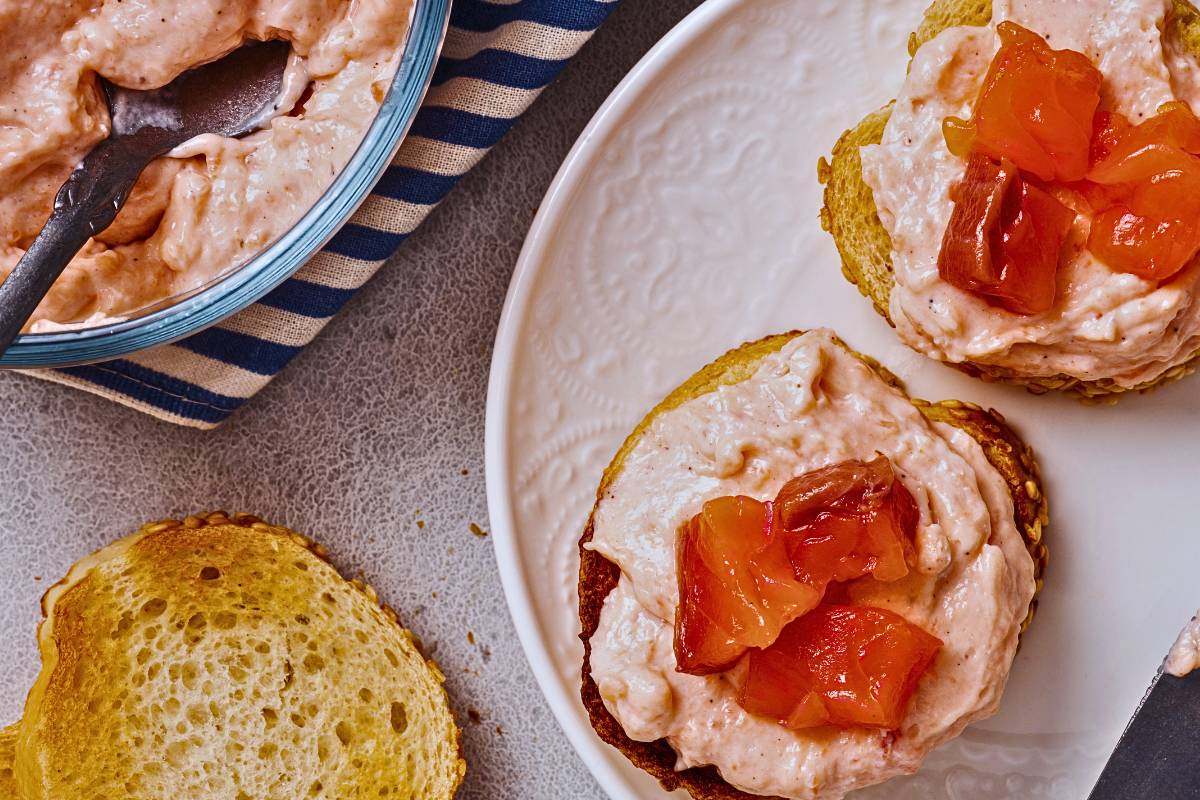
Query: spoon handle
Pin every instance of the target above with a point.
(85, 205)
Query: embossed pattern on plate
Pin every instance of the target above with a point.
(683, 223)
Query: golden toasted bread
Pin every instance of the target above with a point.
(598, 576)
(222, 657)
(850, 216)
(8, 750)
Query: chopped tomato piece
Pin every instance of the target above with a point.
(970, 257)
(1143, 163)
(737, 588)
(1116, 140)
(1037, 113)
(1149, 248)
(849, 666)
(852, 486)
(1032, 241)
(1107, 130)
(1176, 124)
(751, 580)
(848, 520)
(1144, 187)
(747, 568)
(1035, 108)
(1004, 237)
(1097, 197)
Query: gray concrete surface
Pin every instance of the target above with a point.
(371, 441)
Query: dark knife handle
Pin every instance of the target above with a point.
(85, 205)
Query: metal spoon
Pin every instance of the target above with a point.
(232, 96)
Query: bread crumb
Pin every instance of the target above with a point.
(471, 637)
(474, 716)
(478, 531)
(420, 523)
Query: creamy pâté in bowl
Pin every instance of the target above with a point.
(213, 203)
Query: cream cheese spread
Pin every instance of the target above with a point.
(216, 202)
(1105, 325)
(811, 404)
(1185, 653)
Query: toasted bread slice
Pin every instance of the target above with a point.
(8, 756)
(221, 657)
(598, 576)
(850, 216)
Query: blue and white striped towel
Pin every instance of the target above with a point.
(497, 58)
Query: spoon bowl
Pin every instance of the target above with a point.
(229, 97)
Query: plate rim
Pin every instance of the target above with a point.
(565, 706)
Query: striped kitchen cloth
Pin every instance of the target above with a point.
(498, 56)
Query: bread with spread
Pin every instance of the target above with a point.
(783, 507)
(1025, 209)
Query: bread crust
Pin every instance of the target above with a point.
(849, 212)
(598, 576)
(8, 758)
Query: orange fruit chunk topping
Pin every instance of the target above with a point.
(737, 588)
(1004, 237)
(846, 666)
(1035, 114)
(751, 571)
(848, 520)
(1144, 189)
(1035, 108)
(1036, 126)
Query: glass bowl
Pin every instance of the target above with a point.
(181, 316)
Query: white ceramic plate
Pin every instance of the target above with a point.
(683, 223)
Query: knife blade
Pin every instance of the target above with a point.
(1158, 755)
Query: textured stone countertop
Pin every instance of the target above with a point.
(371, 441)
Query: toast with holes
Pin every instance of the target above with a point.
(221, 657)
